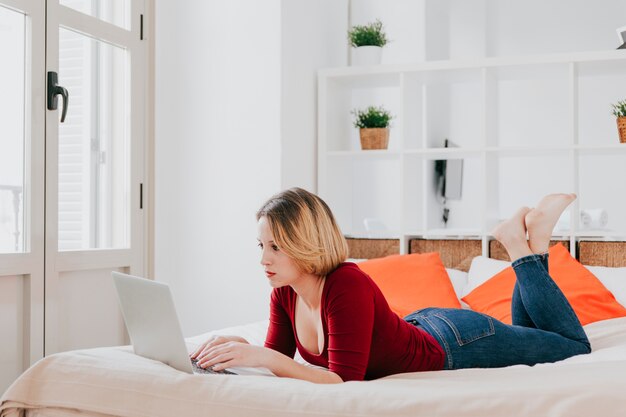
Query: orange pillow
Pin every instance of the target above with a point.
(589, 298)
(411, 282)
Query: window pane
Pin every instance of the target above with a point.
(112, 11)
(12, 136)
(94, 165)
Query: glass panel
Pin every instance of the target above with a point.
(112, 11)
(94, 155)
(12, 71)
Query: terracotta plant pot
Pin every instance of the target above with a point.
(621, 128)
(374, 138)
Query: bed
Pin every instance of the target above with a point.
(115, 382)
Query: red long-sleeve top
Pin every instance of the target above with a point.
(363, 338)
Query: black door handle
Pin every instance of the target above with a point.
(53, 91)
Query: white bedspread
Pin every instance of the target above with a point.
(114, 381)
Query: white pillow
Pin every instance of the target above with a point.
(614, 279)
(355, 260)
(481, 269)
(459, 282)
(458, 279)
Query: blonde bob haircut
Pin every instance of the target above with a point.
(305, 229)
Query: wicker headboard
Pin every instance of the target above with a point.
(458, 254)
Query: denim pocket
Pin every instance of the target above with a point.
(467, 326)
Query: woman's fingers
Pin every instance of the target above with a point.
(225, 357)
(211, 342)
(200, 349)
(223, 365)
(210, 352)
(219, 354)
(203, 347)
(232, 353)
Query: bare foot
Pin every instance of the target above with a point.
(541, 220)
(512, 234)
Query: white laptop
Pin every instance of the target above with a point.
(152, 323)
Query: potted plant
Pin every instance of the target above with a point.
(619, 111)
(368, 41)
(373, 124)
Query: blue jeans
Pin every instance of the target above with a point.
(545, 327)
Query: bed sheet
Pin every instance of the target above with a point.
(114, 381)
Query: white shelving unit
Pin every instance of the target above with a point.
(524, 127)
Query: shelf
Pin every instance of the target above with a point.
(609, 238)
(449, 153)
(371, 79)
(387, 235)
(555, 71)
(528, 151)
(593, 63)
(601, 68)
(618, 148)
(452, 233)
(523, 126)
(445, 76)
(598, 233)
(373, 153)
(446, 153)
(556, 236)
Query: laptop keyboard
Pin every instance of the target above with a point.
(199, 370)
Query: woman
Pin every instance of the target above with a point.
(338, 319)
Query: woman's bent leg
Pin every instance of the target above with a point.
(519, 315)
(543, 300)
(475, 340)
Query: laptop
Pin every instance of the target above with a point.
(150, 316)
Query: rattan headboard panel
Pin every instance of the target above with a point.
(372, 248)
(611, 254)
(457, 254)
(497, 251)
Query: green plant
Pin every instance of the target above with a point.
(619, 108)
(366, 35)
(372, 117)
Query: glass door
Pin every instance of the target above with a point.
(70, 192)
(22, 47)
(94, 163)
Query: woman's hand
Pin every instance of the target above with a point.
(229, 354)
(230, 351)
(214, 341)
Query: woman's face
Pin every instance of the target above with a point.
(280, 269)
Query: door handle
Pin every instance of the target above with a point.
(53, 91)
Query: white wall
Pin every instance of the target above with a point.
(538, 26)
(217, 154)
(236, 122)
(313, 37)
